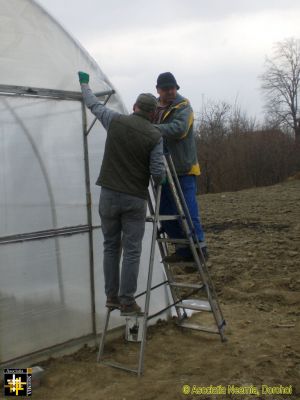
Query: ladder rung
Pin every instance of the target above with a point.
(204, 307)
(198, 327)
(170, 240)
(169, 217)
(138, 315)
(120, 366)
(150, 218)
(186, 285)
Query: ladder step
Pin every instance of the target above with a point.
(150, 218)
(169, 217)
(198, 327)
(187, 285)
(204, 306)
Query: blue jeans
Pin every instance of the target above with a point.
(123, 226)
(168, 207)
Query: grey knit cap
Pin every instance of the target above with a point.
(146, 102)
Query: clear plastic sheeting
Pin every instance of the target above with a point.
(47, 171)
(36, 51)
(42, 176)
(44, 294)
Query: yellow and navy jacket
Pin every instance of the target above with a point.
(176, 127)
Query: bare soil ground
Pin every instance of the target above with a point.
(254, 244)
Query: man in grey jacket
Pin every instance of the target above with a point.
(133, 151)
(174, 118)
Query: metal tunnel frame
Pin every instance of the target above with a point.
(30, 92)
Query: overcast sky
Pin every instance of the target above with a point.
(215, 48)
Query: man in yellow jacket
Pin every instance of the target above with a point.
(174, 117)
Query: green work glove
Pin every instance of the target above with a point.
(83, 77)
(164, 180)
(158, 180)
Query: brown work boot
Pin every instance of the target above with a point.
(130, 309)
(112, 302)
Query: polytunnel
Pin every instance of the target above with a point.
(51, 281)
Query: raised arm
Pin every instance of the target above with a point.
(103, 113)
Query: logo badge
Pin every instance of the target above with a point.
(17, 382)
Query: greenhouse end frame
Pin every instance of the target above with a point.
(55, 232)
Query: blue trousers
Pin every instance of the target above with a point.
(168, 207)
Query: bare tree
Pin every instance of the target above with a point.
(281, 85)
(235, 152)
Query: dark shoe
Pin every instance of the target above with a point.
(176, 258)
(113, 302)
(130, 309)
(194, 267)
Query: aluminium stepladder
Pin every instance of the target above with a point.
(180, 302)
